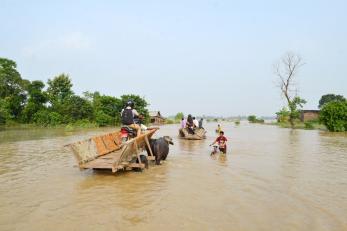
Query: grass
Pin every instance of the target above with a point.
(80, 124)
(309, 125)
(172, 121)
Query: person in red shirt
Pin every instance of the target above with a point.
(222, 143)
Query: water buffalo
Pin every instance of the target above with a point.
(160, 148)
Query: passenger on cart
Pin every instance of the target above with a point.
(128, 115)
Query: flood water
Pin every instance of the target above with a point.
(271, 179)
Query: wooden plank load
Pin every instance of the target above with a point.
(199, 134)
(108, 152)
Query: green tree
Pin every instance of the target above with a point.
(5, 114)
(330, 98)
(252, 118)
(47, 118)
(12, 87)
(179, 116)
(334, 116)
(76, 108)
(283, 115)
(90, 96)
(107, 109)
(102, 119)
(140, 105)
(59, 89)
(286, 70)
(294, 109)
(36, 101)
(10, 79)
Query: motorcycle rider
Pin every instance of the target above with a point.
(128, 115)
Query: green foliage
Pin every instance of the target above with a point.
(10, 79)
(140, 105)
(77, 108)
(179, 116)
(102, 119)
(84, 123)
(309, 125)
(294, 111)
(330, 98)
(59, 89)
(12, 87)
(169, 121)
(237, 122)
(107, 109)
(25, 101)
(55, 118)
(5, 115)
(334, 116)
(294, 106)
(45, 118)
(36, 101)
(254, 119)
(283, 115)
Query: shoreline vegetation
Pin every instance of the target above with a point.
(26, 103)
(85, 124)
(300, 125)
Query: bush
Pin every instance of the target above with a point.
(179, 116)
(260, 121)
(169, 121)
(41, 118)
(237, 122)
(84, 123)
(45, 118)
(309, 125)
(254, 119)
(76, 108)
(334, 116)
(55, 118)
(102, 119)
(283, 115)
(5, 115)
(330, 98)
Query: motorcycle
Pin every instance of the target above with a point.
(127, 132)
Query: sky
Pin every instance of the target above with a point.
(199, 57)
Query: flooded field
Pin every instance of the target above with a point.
(271, 179)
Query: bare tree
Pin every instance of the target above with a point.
(286, 69)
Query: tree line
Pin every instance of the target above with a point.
(55, 103)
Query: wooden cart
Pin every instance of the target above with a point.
(199, 134)
(108, 152)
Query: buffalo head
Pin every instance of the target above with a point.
(168, 139)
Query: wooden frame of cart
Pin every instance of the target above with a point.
(108, 152)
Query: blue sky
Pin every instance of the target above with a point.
(199, 57)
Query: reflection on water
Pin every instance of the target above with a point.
(271, 179)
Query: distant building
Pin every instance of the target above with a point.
(307, 115)
(156, 117)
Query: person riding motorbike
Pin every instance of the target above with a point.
(128, 116)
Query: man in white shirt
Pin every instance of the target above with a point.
(195, 122)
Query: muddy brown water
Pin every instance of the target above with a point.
(271, 179)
